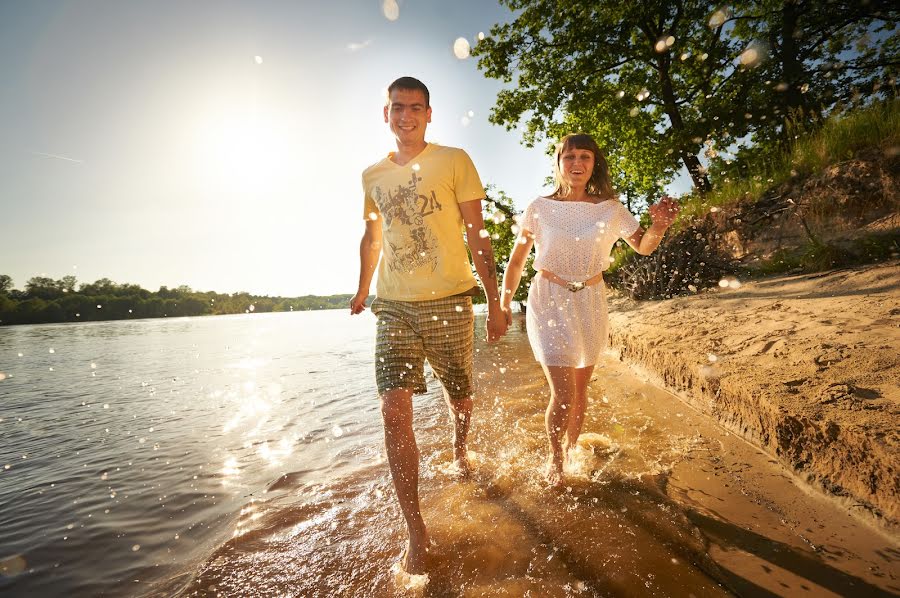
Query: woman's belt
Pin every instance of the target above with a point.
(572, 285)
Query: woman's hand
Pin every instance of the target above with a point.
(664, 212)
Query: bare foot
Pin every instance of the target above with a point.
(554, 473)
(415, 558)
(460, 467)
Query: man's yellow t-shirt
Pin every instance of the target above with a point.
(423, 253)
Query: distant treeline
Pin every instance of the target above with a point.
(46, 300)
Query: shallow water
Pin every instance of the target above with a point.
(276, 418)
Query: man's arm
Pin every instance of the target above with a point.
(483, 257)
(369, 252)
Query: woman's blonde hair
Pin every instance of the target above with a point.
(599, 184)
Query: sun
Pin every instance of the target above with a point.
(243, 147)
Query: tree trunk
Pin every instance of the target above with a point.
(691, 161)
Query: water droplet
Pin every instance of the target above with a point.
(416, 167)
(52, 350)
(390, 9)
(337, 431)
(483, 234)
(712, 358)
(135, 548)
(258, 59)
(461, 48)
(718, 18)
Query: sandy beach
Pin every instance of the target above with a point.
(806, 367)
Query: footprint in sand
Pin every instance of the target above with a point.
(775, 347)
(830, 355)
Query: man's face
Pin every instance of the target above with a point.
(407, 115)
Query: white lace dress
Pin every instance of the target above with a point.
(572, 239)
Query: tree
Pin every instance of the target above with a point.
(6, 284)
(822, 54)
(42, 287)
(67, 284)
(658, 82)
(500, 219)
(615, 71)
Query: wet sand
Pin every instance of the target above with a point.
(806, 367)
(661, 501)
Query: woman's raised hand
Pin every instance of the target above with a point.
(664, 212)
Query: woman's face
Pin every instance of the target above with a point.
(576, 166)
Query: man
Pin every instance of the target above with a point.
(418, 202)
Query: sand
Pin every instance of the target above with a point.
(807, 367)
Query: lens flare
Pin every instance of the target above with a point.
(390, 9)
(461, 48)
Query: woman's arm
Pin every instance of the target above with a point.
(662, 215)
(514, 269)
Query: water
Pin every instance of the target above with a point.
(132, 448)
(241, 455)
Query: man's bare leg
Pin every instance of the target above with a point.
(577, 409)
(556, 418)
(403, 458)
(461, 414)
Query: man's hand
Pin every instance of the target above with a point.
(358, 303)
(496, 323)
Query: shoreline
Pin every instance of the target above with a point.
(803, 367)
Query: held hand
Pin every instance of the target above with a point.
(358, 303)
(496, 324)
(507, 313)
(664, 212)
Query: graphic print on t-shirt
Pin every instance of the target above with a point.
(406, 208)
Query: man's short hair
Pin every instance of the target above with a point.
(409, 83)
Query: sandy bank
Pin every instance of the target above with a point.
(807, 367)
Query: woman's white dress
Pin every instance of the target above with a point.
(572, 239)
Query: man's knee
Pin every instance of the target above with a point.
(396, 406)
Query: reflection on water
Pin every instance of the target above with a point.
(138, 444)
(242, 456)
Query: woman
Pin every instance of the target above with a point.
(573, 231)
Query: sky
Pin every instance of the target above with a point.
(219, 144)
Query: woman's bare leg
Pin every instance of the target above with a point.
(556, 418)
(578, 408)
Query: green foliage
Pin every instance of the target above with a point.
(46, 300)
(838, 138)
(6, 284)
(499, 221)
(660, 83)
